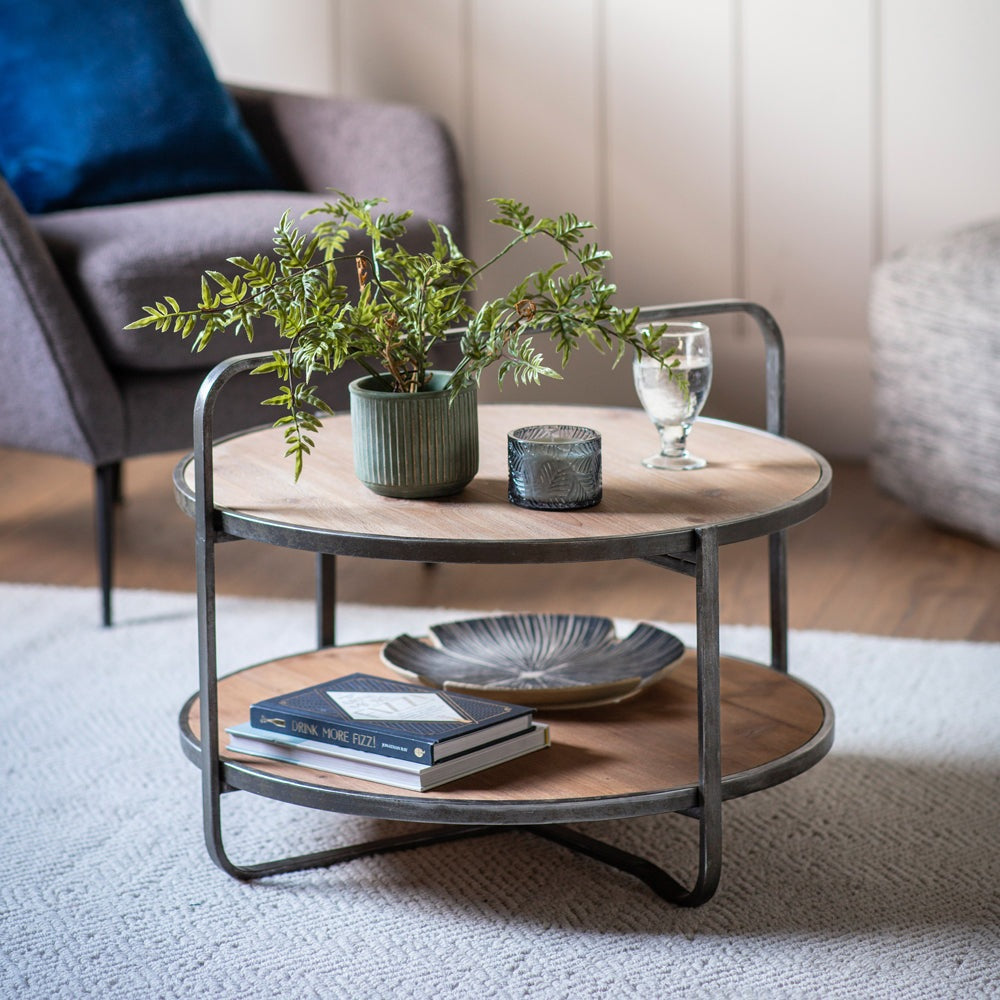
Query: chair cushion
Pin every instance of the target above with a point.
(114, 102)
(118, 258)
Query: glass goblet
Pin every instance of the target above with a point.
(672, 409)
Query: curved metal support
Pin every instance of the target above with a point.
(206, 535)
(664, 885)
(323, 859)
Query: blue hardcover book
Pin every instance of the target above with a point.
(385, 770)
(391, 718)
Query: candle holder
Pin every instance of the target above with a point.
(554, 467)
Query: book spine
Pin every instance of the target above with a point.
(342, 734)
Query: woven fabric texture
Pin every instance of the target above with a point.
(872, 875)
(935, 329)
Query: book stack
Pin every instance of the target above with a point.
(388, 731)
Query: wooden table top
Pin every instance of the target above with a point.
(638, 747)
(755, 483)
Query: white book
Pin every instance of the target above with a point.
(395, 771)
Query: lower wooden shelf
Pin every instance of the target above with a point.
(634, 758)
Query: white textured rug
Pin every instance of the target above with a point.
(875, 874)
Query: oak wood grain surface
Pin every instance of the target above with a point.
(643, 744)
(749, 473)
(865, 563)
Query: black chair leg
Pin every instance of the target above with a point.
(117, 492)
(107, 482)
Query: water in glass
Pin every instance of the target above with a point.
(672, 409)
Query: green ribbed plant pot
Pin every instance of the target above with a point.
(417, 445)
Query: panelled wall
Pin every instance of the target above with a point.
(768, 149)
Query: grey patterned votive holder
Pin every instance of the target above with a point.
(554, 467)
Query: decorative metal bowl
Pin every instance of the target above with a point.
(545, 661)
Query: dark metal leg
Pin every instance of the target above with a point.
(777, 551)
(664, 885)
(709, 721)
(211, 769)
(107, 479)
(709, 809)
(323, 859)
(326, 600)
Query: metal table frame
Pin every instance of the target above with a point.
(695, 554)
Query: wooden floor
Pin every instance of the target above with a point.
(863, 564)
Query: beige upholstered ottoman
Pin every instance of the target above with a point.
(935, 329)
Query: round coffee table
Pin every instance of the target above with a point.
(716, 727)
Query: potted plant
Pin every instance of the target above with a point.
(387, 313)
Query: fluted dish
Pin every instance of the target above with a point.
(546, 661)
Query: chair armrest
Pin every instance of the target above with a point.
(56, 393)
(364, 148)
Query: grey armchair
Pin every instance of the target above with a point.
(74, 383)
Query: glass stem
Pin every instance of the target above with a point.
(673, 440)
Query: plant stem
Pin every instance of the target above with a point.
(520, 238)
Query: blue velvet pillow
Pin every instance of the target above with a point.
(106, 101)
